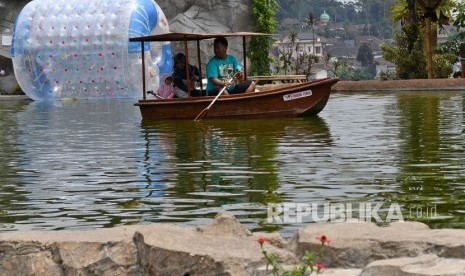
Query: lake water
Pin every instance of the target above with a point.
(92, 164)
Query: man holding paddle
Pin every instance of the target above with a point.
(221, 67)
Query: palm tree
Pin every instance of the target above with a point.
(293, 36)
(311, 19)
(428, 8)
(431, 11)
(295, 45)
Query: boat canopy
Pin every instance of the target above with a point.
(191, 36)
(186, 37)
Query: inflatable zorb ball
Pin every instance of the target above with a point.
(81, 48)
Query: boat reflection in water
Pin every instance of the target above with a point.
(223, 165)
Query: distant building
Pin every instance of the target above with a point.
(342, 49)
(324, 18)
(383, 65)
(292, 23)
(306, 42)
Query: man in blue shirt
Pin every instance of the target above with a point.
(221, 67)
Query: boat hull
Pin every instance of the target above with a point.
(293, 100)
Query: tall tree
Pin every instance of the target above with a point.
(430, 11)
(264, 11)
(365, 54)
(428, 8)
(294, 44)
(459, 21)
(311, 19)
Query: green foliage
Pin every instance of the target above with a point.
(450, 46)
(308, 264)
(311, 20)
(372, 12)
(365, 54)
(442, 65)
(441, 13)
(292, 59)
(459, 21)
(387, 75)
(284, 64)
(407, 55)
(412, 65)
(343, 71)
(309, 61)
(264, 12)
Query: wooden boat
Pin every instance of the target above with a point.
(284, 100)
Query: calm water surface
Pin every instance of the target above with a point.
(92, 164)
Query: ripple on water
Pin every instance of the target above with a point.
(92, 164)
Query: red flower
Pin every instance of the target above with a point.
(320, 267)
(261, 240)
(323, 239)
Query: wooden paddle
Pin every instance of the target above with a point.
(205, 111)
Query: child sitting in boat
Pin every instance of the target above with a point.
(166, 90)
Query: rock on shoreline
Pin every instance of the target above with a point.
(225, 247)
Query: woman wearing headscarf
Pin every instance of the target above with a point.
(180, 77)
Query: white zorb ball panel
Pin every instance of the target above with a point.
(81, 49)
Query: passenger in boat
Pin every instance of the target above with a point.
(180, 77)
(166, 89)
(221, 67)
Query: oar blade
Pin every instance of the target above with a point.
(201, 114)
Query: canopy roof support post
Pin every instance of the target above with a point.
(143, 70)
(200, 63)
(187, 68)
(245, 61)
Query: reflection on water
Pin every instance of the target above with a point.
(223, 165)
(432, 170)
(89, 164)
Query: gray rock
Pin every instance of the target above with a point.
(222, 248)
(357, 244)
(8, 84)
(235, 14)
(427, 265)
(342, 272)
(203, 20)
(225, 247)
(99, 252)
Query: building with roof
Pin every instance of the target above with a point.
(324, 18)
(307, 44)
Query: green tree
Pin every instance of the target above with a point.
(295, 46)
(428, 8)
(264, 12)
(365, 55)
(430, 12)
(459, 21)
(310, 60)
(311, 19)
(285, 61)
(442, 65)
(407, 56)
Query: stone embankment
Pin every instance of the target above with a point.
(225, 247)
(401, 85)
